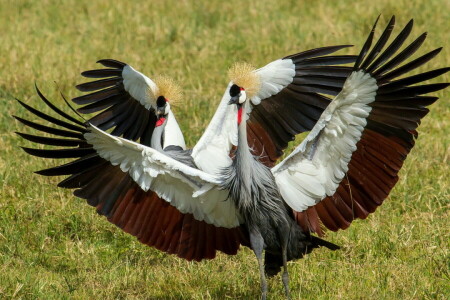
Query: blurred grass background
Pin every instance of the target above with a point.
(54, 246)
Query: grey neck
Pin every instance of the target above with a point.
(157, 141)
(251, 184)
(244, 158)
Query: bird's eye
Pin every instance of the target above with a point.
(161, 101)
(234, 90)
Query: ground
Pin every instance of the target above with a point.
(54, 246)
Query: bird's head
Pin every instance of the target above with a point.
(238, 95)
(245, 83)
(166, 91)
(162, 110)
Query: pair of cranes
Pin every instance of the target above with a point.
(131, 162)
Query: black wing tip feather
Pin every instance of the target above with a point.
(99, 84)
(51, 119)
(72, 108)
(102, 73)
(54, 108)
(398, 105)
(24, 105)
(38, 91)
(393, 47)
(30, 151)
(418, 78)
(45, 172)
(112, 63)
(382, 40)
(366, 46)
(26, 136)
(377, 65)
(387, 77)
(111, 60)
(316, 52)
(97, 95)
(52, 141)
(21, 120)
(59, 153)
(21, 103)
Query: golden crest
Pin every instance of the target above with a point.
(244, 76)
(168, 88)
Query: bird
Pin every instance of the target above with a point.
(371, 98)
(367, 129)
(125, 99)
(152, 219)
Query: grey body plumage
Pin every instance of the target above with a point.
(251, 186)
(175, 152)
(268, 219)
(181, 155)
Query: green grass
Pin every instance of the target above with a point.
(54, 246)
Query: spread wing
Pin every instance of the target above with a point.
(116, 195)
(211, 153)
(289, 101)
(189, 190)
(122, 99)
(294, 94)
(349, 162)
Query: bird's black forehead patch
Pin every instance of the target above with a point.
(161, 101)
(234, 90)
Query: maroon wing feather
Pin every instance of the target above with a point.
(388, 136)
(297, 107)
(115, 195)
(114, 106)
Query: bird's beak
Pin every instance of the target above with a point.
(160, 119)
(160, 111)
(234, 99)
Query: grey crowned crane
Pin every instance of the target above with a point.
(126, 99)
(119, 98)
(343, 169)
(368, 129)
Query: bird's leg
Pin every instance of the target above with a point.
(257, 244)
(285, 275)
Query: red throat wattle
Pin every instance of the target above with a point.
(239, 115)
(160, 122)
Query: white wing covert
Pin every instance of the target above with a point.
(291, 96)
(316, 167)
(124, 99)
(212, 152)
(272, 87)
(274, 77)
(363, 135)
(189, 190)
(116, 196)
(139, 86)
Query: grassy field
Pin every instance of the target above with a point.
(54, 246)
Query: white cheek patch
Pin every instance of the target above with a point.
(167, 109)
(242, 97)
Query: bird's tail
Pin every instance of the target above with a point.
(296, 249)
(318, 242)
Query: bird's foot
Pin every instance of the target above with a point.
(264, 295)
(285, 278)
